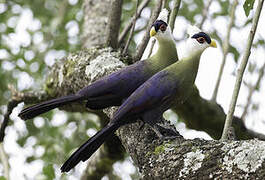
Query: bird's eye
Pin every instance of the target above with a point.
(163, 27)
(201, 40)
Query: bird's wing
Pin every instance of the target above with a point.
(158, 90)
(116, 82)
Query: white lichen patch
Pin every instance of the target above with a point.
(102, 65)
(247, 157)
(60, 76)
(110, 111)
(192, 162)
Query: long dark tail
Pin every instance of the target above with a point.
(35, 110)
(88, 148)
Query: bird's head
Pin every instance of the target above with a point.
(160, 29)
(198, 40)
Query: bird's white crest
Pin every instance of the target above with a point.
(192, 29)
(163, 15)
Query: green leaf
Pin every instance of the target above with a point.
(248, 5)
(48, 171)
(234, 51)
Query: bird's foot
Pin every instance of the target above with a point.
(165, 133)
(141, 125)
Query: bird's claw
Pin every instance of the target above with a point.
(141, 125)
(165, 132)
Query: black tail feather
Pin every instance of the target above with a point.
(88, 148)
(35, 110)
(102, 103)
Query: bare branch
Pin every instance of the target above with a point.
(143, 44)
(114, 23)
(225, 49)
(174, 13)
(11, 105)
(129, 25)
(18, 97)
(205, 13)
(132, 30)
(229, 117)
(252, 90)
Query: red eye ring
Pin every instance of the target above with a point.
(163, 27)
(200, 40)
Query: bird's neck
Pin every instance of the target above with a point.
(166, 53)
(187, 67)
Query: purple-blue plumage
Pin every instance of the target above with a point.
(148, 102)
(157, 94)
(113, 89)
(109, 91)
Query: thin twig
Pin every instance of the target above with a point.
(129, 25)
(225, 49)
(124, 52)
(114, 23)
(11, 105)
(174, 13)
(4, 160)
(143, 44)
(252, 90)
(205, 13)
(18, 97)
(62, 10)
(154, 40)
(229, 117)
(171, 23)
